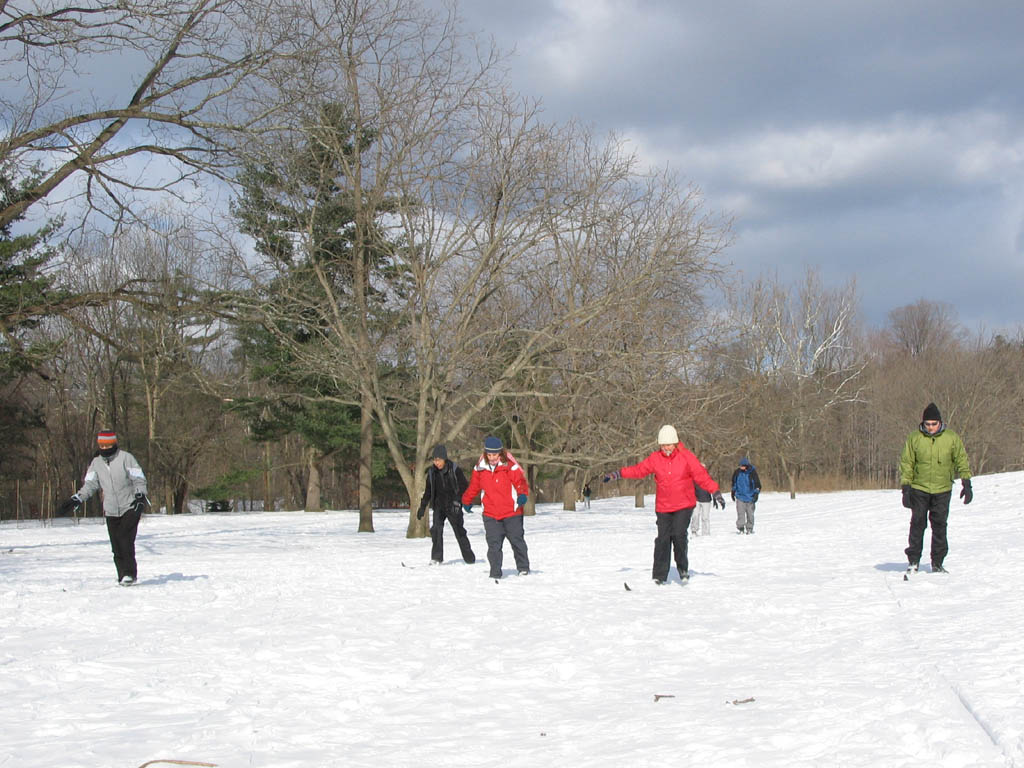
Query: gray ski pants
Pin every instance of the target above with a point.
(744, 516)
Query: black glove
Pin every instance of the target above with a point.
(732, 495)
(717, 501)
(70, 506)
(139, 505)
(966, 493)
(419, 513)
(906, 496)
(615, 475)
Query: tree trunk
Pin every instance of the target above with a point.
(531, 502)
(313, 503)
(790, 475)
(569, 490)
(366, 467)
(638, 499)
(180, 495)
(297, 485)
(418, 529)
(268, 498)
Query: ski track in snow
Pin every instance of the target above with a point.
(288, 639)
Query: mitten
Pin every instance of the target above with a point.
(139, 505)
(906, 496)
(966, 493)
(467, 508)
(615, 475)
(521, 500)
(70, 506)
(717, 501)
(732, 495)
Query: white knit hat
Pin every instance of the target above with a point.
(667, 435)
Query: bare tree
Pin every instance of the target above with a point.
(130, 97)
(151, 351)
(922, 328)
(799, 350)
(594, 397)
(482, 200)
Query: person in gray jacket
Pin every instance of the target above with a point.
(118, 475)
(702, 514)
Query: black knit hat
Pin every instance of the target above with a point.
(931, 413)
(440, 452)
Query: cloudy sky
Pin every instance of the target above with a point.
(882, 141)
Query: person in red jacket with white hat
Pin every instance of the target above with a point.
(500, 480)
(675, 471)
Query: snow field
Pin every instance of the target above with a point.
(288, 639)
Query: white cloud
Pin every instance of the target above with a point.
(870, 137)
(966, 149)
(588, 38)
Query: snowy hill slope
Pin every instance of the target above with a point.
(291, 640)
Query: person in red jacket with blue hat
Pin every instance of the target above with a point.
(675, 471)
(499, 479)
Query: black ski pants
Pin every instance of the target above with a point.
(928, 508)
(121, 531)
(496, 531)
(455, 519)
(672, 528)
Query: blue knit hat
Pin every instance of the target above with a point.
(492, 444)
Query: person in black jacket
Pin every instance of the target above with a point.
(446, 483)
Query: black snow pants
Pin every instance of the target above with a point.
(928, 508)
(455, 519)
(672, 528)
(121, 531)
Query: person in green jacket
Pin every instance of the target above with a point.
(931, 458)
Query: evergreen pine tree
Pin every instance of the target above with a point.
(27, 297)
(299, 213)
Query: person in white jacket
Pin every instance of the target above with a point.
(118, 475)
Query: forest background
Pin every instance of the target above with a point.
(285, 248)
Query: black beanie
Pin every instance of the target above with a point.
(931, 413)
(440, 452)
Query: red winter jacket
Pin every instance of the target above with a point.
(500, 486)
(674, 477)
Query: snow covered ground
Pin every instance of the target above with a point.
(291, 640)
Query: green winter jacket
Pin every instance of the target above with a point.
(930, 462)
